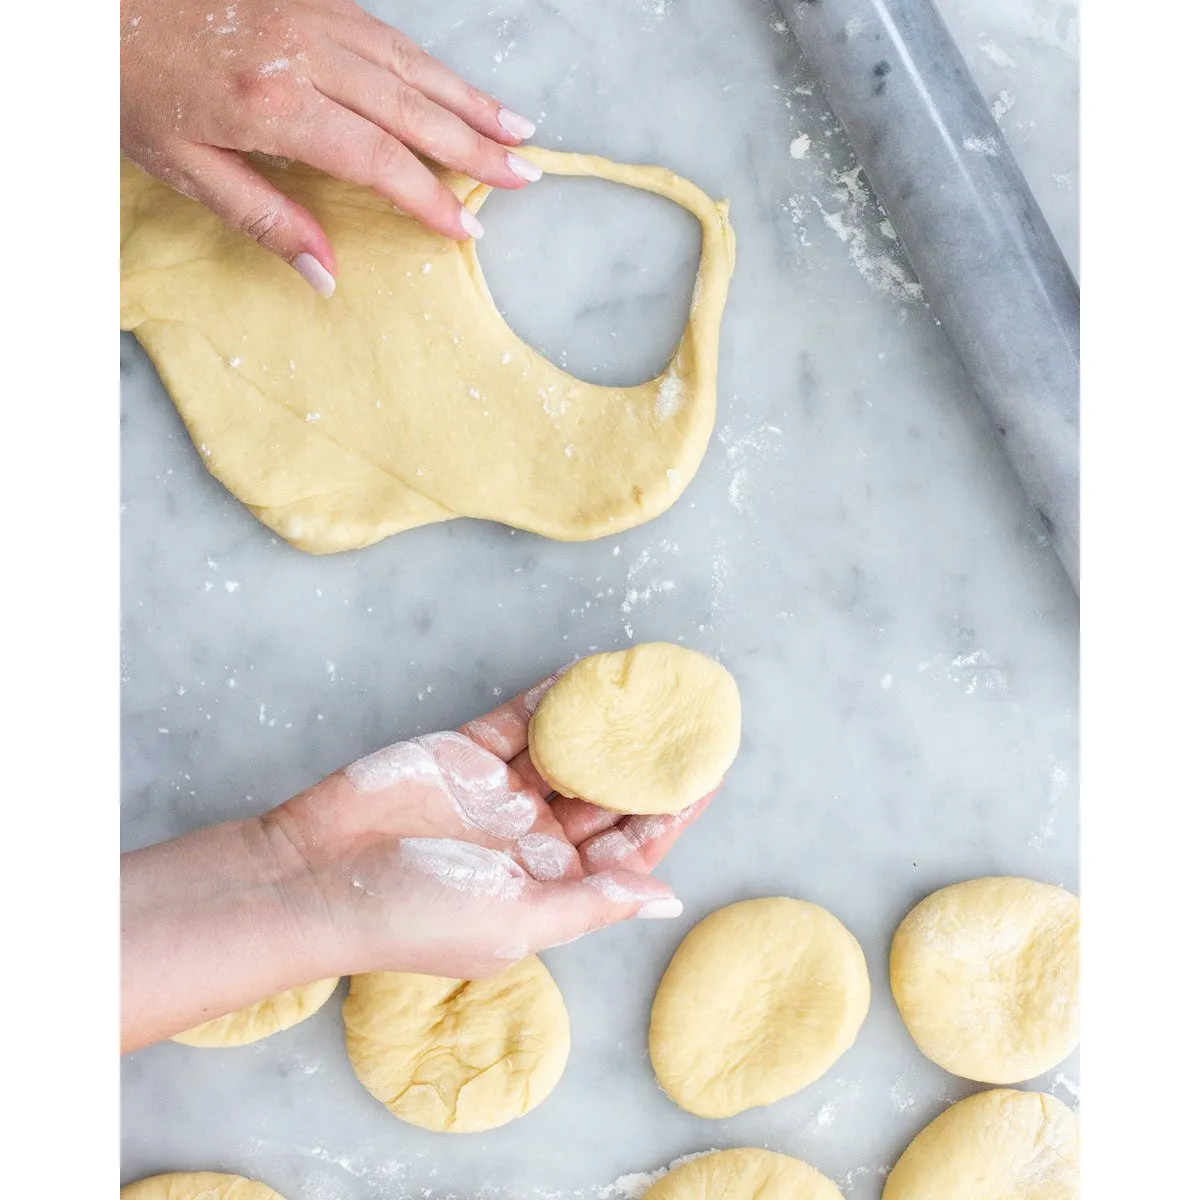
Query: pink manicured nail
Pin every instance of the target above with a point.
(661, 909)
(470, 222)
(314, 274)
(516, 124)
(522, 167)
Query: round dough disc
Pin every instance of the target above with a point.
(995, 1145)
(651, 729)
(744, 1175)
(260, 1020)
(761, 998)
(986, 976)
(198, 1185)
(458, 1056)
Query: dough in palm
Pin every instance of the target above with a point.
(986, 976)
(746, 1174)
(198, 1185)
(760, 999)
(458, 1056)
(262, 1019)
(405, 398)
(651, 729)
(996, 1145)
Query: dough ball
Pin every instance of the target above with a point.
(198, 1185)
(260, 1020)
(458, 1056)
(760, 999)
(986, 976)
(645, 730)
(995, 1145)
(744, 1175)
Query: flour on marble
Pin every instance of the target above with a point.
(800, 145)
(743, 455)
(1061, 1083)
(1002, 105)
(973, 670)
(1045, 832)
(982, 145)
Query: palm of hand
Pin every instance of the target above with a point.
(456, 836)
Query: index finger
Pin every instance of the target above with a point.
(505, 730)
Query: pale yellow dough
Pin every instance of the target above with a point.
(260, 1020)
(986, 976)
(458, 1056)
(996, 1145)
(646, 730)
(746, 1174)
(760, 999)
(406, 399)
(198, 1185)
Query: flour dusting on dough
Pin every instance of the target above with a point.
(670, 397)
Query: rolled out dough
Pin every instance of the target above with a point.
(746, 1174)
(262, 1019)
(458, 1056)
(645, 730)
(986, 976)
(406, 399)
(198, 1185)
(760, 999)
(995, 1145)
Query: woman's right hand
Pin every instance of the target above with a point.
(205, 81)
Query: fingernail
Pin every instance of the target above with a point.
(516, 124)
(314, 274)
(661, 909)
(524, 168)
(470, 222)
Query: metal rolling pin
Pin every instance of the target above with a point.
(972, 230)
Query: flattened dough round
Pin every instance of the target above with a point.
(260, 1020)
(198, 1185)
(645, 730)
(406, 398)
(986, 976)
(760, 999)
(458, 1056)
(996, 1145)
(746, 1174)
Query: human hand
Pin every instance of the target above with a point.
(449, 855)
(205, 81)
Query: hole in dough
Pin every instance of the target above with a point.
(595, 276)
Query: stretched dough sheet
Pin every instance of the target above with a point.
(406, 398)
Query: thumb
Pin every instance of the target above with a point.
(244, 199)
(566, 909)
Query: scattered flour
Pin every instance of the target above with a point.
(1002, 105)
(997, 53)
(800, 145)
(982, 145)
(669, 398)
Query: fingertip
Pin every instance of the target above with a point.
(664, 908)
(516, 126)
(471, 224)
(315, 274)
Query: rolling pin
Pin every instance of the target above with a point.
(990, 267)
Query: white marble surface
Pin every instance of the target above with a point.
(854, 548)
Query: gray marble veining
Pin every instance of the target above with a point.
(855, 548)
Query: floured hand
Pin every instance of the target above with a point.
(448, 854)
(445, 855)
(205, 81)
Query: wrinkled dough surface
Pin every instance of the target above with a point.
(198, 1185)
(406, 399)
(746, 1174)
(996, 1145)
(260, 1020)
(651, 729)
(760, 999)
(986, 976)
(458, 1056)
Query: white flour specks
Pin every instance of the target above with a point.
(1002, 105)
(982, 145)
(275, 67)
(1059, 779)
(464, 867)
(1062, 1083)
(545, 857)
(904, 1099)
(669, 398)
(487, 794)
(403, 762)
(996, 53)
(975, 671)
(800, 145)
(742, 457)
(856, 223)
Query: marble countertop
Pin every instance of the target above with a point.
(855, 548)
